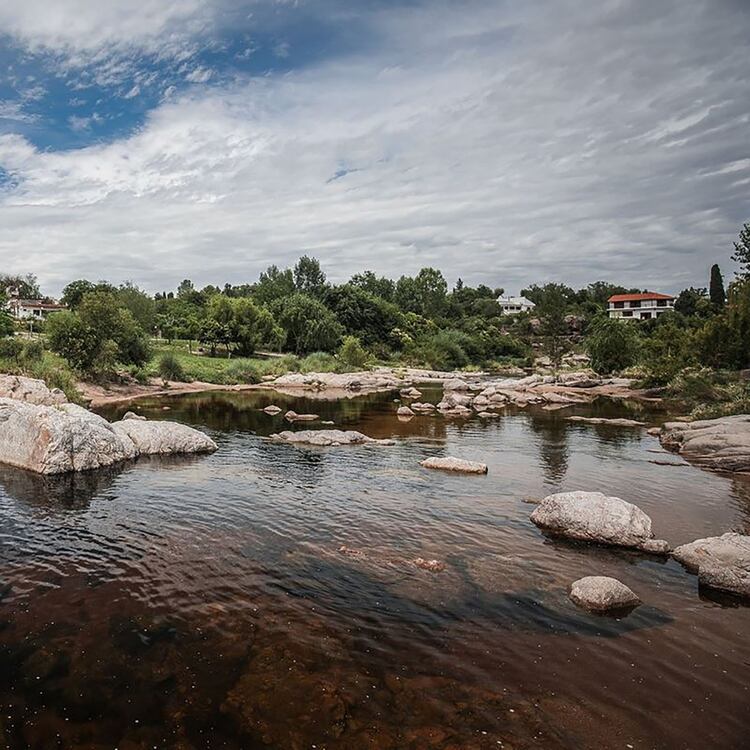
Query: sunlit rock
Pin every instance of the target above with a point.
(163, 438)
(30, 390)
(594, 517)
(327, 438)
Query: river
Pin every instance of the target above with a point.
(266, 596)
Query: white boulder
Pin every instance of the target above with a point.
(594, 517)
(162, 437)
(721, 562)
(30, 390)
(404, 411)
(602, 594)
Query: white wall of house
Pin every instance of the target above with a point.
(515, 305)
(641, 310)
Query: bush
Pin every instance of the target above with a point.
(613, 345)
(33, 351)
(441, 351)
(242, 371)
(669, 351)
(11, 348)
(352, 353)
(170, 367)
(319, 362)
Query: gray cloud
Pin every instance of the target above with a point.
(504, 143)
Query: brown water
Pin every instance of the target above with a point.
(206, 602)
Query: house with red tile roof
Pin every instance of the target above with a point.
(643, 306)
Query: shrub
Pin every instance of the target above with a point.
(613, 345)
(33, 351)
(11, 348)
(170, 367)
(352, 353)
(442, 351)
(319, 362)
(242, 371)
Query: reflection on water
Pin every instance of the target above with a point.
(267, 596)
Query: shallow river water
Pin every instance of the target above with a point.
(267, 596)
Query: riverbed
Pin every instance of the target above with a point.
(267, 596)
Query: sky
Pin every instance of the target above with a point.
(504, 142)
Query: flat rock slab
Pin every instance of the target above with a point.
(602, 594)
(292, 416)
(721, 562)
(449, 463)
(327, 438)
(595, 517)
(719, 444)
(604, 420)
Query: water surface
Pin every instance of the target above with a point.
(267, 595)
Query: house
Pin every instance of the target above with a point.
(37, 309)
(515, 305)
(639, 306)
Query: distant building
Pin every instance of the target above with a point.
(639, 306)
(515, 305)
(23, 309)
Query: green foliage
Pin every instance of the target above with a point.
(551, 310)
(242, 371)
(613, 345)
(742, 251)
(425, 294)
(33, 351)
(444, 350)
(717, 294)
(694, 302)
(668, 351)
(319, 362)
(141, 305)
(361, 314)
(377, 286)
(308, 324)
(98, 336)
(308, 277)
(352, 353)
(26, 286)
(274, 284)
(170, 367)
(11, 348)
(6, 324)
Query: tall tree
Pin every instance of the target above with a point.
(742, 251)
(716, 287)
(308, 276)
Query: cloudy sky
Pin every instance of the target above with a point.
(504, 141)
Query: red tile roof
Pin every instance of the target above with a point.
(638, 297)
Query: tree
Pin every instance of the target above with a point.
(274, 284)
(432, 290)
(716, 287)
(140, 304)
(73, 292)
(612, 345)
(742, 251)
(693, 302)
(551, 309)
(670, 349)
(352, 353)
(308, 324)
(308, 277)
(371, 319)
(26, 286)
(377, 286)
(98, 336)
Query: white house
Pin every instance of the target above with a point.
(23, 309)
(515, 305)
(639, 306)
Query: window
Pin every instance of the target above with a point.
(619, 305)
(635, 303)
(646, 316)
(661, 303)
(627, 314)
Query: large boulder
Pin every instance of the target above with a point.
(67, 437)
(595, 517)
(30, 390)
(57, 439)
(602, 594)
(162, 438)
(720, 444)
(721, 562)
(327, 438)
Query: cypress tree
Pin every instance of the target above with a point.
(716, 288)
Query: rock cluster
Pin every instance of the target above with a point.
(327, 438)
(719, 444)
(66, 437)
(602, 594)
(595, 517)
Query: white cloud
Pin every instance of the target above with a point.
(475, 141)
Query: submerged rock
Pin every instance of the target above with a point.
(434, 566)
(404, 411)
(449, 463)
(620, 422)
(602, 594)
(594, 517)
(327, 437)
(720, 444)
(67, 437)
(721, 562)
(30, 390)
(272, 409)
(292, 416)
